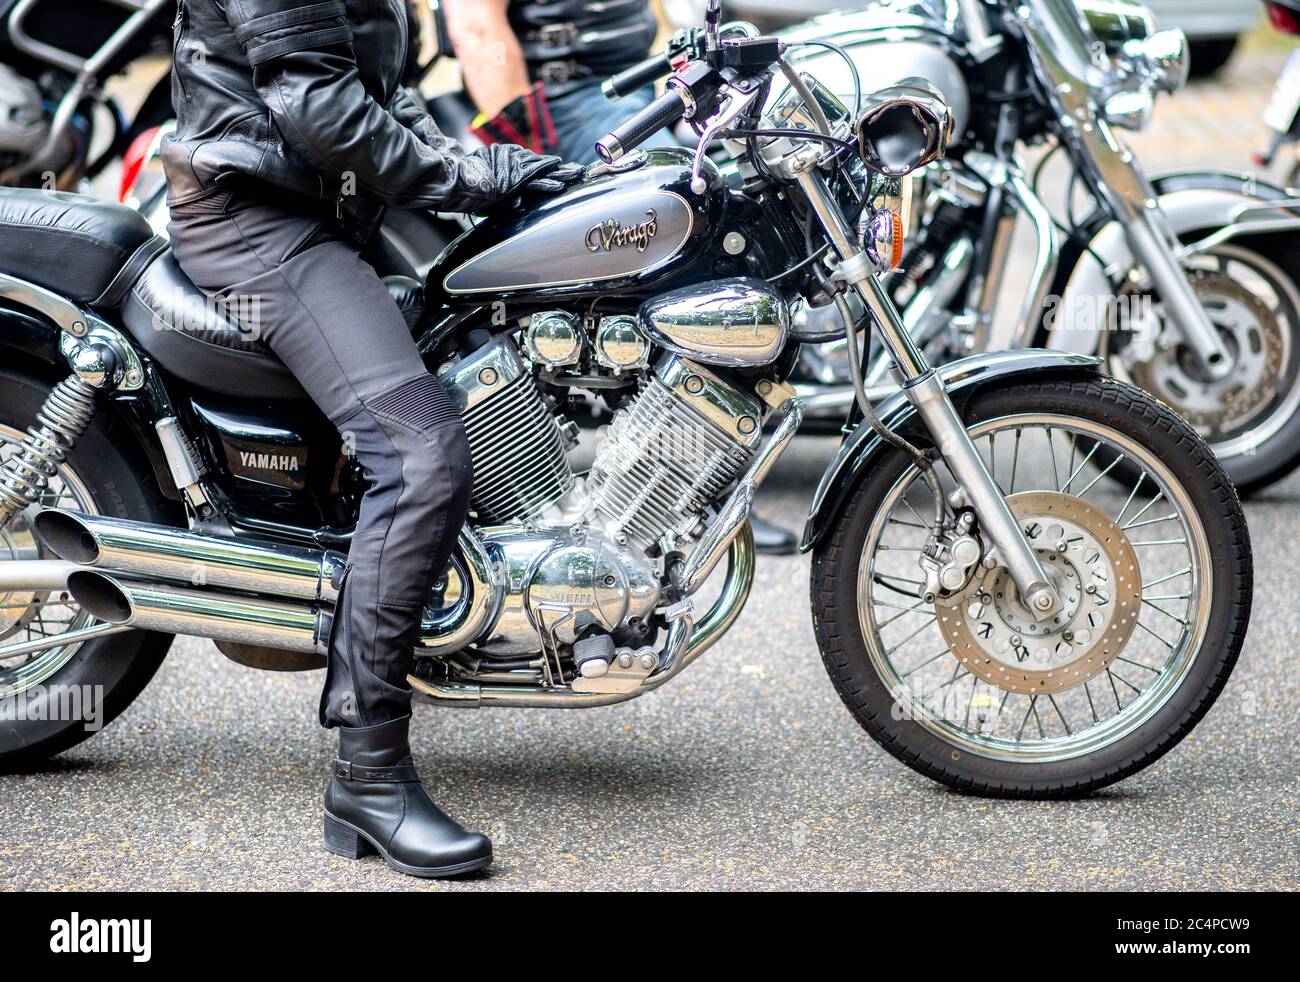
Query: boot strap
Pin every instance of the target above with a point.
(398, 774)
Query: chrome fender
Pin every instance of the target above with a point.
(963, 379)
(1193, 202)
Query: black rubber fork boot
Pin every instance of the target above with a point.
(375, 803)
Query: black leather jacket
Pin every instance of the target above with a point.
(305, 96)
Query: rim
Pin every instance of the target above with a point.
(932, 686)
(1276, 294)
(51, 615)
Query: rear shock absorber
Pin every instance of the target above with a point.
(64, 416)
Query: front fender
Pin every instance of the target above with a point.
(963, 379)
(1192, 201)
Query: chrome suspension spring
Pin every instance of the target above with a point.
(59, 423)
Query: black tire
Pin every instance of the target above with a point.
(1210, 55)
(107, 461)
(868, 697)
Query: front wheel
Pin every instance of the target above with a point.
(1155, 578)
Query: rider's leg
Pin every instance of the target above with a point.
(328, 316)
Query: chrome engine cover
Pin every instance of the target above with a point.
(571, 555)
(557, 581)
(733, 322)
(672, 452)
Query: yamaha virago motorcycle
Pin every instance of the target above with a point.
(990, 609)
(58, 127)
(1187, 284)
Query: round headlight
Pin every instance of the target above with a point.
(903, 127)
(1162, 58)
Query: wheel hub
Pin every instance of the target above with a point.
(1095, 571)
(1253, 336)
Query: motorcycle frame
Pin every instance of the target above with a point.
(86, 72)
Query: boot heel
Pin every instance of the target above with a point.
(344, 841)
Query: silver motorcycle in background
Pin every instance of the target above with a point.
(1186, 284)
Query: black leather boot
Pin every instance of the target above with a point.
(772, 540)
(375, 803)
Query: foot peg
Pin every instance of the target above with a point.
(593, 655)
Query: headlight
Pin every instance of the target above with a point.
(1160, 60)
(903, 127)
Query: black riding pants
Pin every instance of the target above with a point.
(327, 315)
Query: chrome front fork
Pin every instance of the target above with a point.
(925, 390)
(1060, 54)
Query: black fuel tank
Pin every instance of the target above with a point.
(620, 230)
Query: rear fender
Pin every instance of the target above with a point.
(963, 379)
(30, 341)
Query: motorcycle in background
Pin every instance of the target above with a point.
(53, 109)
(1282, 115)
(1186, 284)
(989, 608)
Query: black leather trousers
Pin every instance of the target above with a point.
(327, 315)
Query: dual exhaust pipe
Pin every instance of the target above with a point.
(252, 593)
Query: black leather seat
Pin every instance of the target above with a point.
(87, 250)
(214, 346)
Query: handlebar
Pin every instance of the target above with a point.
(637, 77)
(664, 111)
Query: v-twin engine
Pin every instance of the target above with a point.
(587, 553)
(551, 560)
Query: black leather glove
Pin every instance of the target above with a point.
(505, 170)
(555, 181)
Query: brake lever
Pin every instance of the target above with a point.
(737, 104)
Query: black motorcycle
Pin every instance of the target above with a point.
(990, 609)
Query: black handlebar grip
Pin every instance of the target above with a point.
(664, 111)
(637, 77)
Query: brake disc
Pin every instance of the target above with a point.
(1095, 571)
(1252, 335)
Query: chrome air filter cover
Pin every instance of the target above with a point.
(554, 339)
(620, 345)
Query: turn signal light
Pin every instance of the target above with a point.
(882, 237)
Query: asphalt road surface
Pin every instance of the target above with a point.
(746, 772)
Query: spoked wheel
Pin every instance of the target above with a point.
(1251, 418)
(33, 622)
(1155, 579)
(62, 674)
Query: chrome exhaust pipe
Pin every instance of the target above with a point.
(159, 551)
(36, 574)
(276, 573)
(201, 613)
